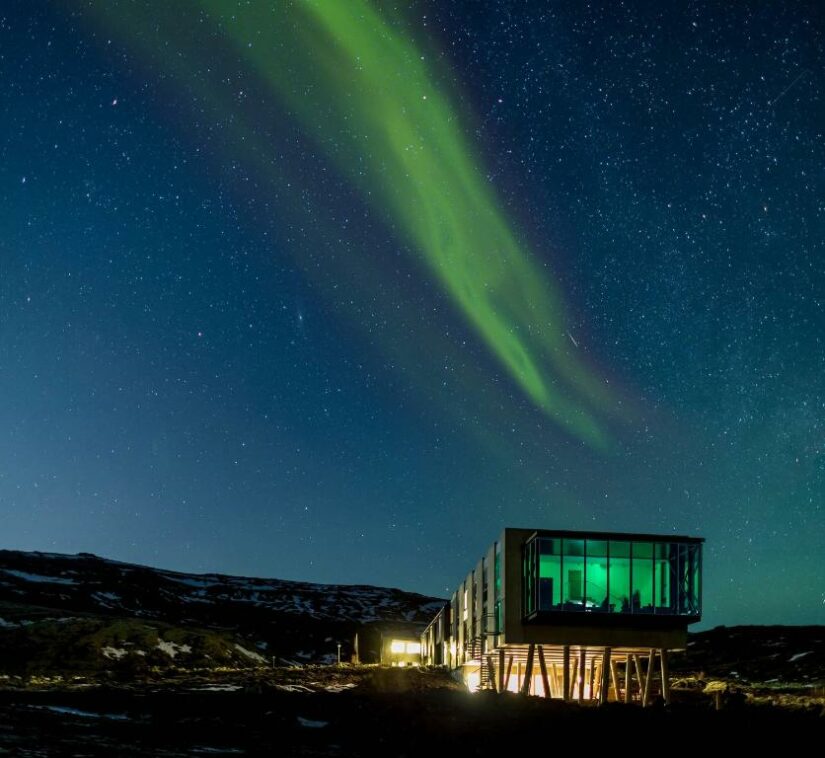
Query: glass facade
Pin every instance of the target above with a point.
(611, 576)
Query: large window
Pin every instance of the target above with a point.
(549, 580)
(641, 598)
(619, 568)
(595, 573)
(573, 575)
(611, 576)
(662, 578)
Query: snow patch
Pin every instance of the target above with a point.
(339, 687)
(104, 598)
(172, 648)
(39, 578)
(218, 688)
(82, 714)
(189, 581)
(311, 724)
(799, 655)
(251, 654)
(115, 653)
(293, 688)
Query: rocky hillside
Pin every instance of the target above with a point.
(764, 654)
(81, 612)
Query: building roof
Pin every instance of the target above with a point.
(611, 535)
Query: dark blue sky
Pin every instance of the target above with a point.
(215, 359)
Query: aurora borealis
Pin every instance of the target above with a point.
(321, 290)
(342, 63)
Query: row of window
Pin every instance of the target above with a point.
(611, 576)
(465, 601)
(401, 646)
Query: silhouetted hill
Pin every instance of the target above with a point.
(81, 613)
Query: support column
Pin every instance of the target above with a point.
(574, 676)
(605, 673)
(500, 670)
(651, 663)
(614, 677)
(566, 673)
(665, 676)
(528, 671)
(637, 663)
(506, 684)
(582, 667)
(545, 680)
(491, 672)
(628, 679)
(592, 681)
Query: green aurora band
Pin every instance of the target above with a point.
(363, 91)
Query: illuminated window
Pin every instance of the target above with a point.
(549, 574)
(641, 601)
(573, 575)
(414, 648)
(398, 646)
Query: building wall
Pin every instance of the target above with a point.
(390, 658)
(512, 540)
(470, 620)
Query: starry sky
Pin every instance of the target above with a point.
(335, 292)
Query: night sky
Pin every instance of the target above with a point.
(336, 291)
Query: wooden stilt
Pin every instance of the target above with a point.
(491, 671)
(574, 677)
(500, 670)
(545, 680)
(554, 681)
(638, 664)
(665, 676)
(615, 679)
(509, 672)
(592, 677)
(628, 679)
(528, 671)
(604, 685)
(582, 667)
(566, 673)
(651, 662)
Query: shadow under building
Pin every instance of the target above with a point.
(586, 616)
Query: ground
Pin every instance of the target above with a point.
(366, 710)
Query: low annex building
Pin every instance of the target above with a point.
(573, 615)
(399, 649)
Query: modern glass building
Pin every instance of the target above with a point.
(568, 614)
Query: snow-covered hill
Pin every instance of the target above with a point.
(293, 620)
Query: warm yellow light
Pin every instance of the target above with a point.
(473, 680)
(414, 648)
(397, 646)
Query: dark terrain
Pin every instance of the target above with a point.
(99, 658)
(83, 614)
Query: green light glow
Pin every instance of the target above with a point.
(365, 94)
